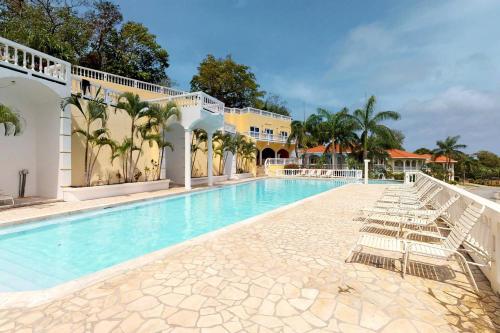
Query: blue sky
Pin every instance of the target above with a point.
(435, 62)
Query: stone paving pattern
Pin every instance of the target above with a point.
(280, 274)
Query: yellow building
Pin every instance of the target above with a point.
(269, 130)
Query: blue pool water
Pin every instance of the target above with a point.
(46, 253)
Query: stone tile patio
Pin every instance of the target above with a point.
(284, 273)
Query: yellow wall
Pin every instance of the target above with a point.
(242, 122)
(119, 128)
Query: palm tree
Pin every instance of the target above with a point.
(160, 117)
(368, 122)
(448, 148)
(466, 163)
(98, 139)
(222, 144)
(94, 114)
(248, 150)
(136, 109)
(123, 150)
(297, 134)
(237, 146)
(198, 140)
(332, 122)
(10, 120)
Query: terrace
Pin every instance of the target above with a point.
(284, 271)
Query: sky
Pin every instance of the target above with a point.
(437, 63)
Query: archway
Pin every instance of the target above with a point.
(267, 153)
(282, 153)
(38, 148)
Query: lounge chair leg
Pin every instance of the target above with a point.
(469, 272)
(406, 257)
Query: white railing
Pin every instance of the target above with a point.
(404, 169)
(268, 137)
(198, 99)
(483, 242)
(318, 173)
(257, 111)
(33, 61)
(109, 96)
(90, 73)
(282, 161)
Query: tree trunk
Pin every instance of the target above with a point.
(334, 160)
(86, 169)
(130, 171)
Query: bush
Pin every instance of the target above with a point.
(291, 166)
(399, 176)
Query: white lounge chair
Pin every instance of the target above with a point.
(447, 247)
(418, 219)
(388, 206)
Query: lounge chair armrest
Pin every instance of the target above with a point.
(421, 233)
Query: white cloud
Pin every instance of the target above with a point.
(473, 114)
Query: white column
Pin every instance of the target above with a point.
(187, 159)
(366, 171)
(210, 160)
(260, 156)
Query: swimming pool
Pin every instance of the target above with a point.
(47, 253)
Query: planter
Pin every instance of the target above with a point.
(242, 175)
(204, 180)
(104, 191)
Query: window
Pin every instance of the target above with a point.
(254, 129)
(268, 131)
(284, 134)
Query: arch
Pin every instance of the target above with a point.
(282, 153)
(398, 163)
(44, 147)
(267, 153)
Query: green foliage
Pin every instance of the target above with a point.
(95, 115)
(371, 123)
(10, 121)
(275, 104)
(230, 82)
(423, 150)
(91, 34)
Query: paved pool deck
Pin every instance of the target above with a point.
(284, 272)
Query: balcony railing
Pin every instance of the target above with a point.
(124, 81)
(198, 99)
(109, 96)
(35, 62)
(267, 137)
(257, 111)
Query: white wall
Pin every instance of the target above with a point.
(37, 148)
(175, 159)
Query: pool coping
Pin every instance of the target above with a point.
(39, 297)
(126, 201)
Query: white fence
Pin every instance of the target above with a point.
(257, 111)
(33, 61)
(483, 242)
(282, 161)
(317, 173)
(124, 81)
(199, 99)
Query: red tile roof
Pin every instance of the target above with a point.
(397, 154)
(439, 159)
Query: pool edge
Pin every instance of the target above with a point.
(39, 297)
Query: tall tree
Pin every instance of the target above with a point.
(104, 17)
(136, 109)
(333, 123)
(273, 103)
(94, 114)
(230, 82)
(448, 148)
(423, 150)
(368, 122)
(160, 116)
(297, 135)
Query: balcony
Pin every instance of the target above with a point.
(268, 137)
(257, 111)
